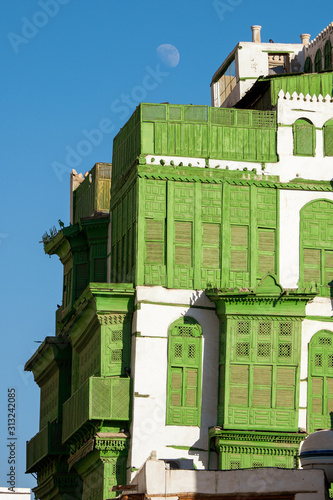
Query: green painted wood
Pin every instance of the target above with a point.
(328, 138)
(318, 61)
(140, 235)
(327, 55)
(316, 245)
(184, 373)
(321, 83)
(99, 398)
(45, 443)
(93, 194)
(320, 381)
(304, 133)
(200, 131)
(308, 65)
(170, 234)
(197, 237)
(226, 235)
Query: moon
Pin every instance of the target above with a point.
(168, 54)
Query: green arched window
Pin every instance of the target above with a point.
(184, 372)
(320, 381)
(317, 61)
(316, 245)
(328, 138)
(304, 138)
(328, 55)
(308, 65)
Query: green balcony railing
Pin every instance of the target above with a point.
(45, 442)
(99, 398)
(194, 131)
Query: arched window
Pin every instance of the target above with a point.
(304, 138)
(328, 138)
(320, 381)
(308, 65)
(318, 61)
(184, 373)
(316, 245)
(327, 55)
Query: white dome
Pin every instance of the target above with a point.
(317, 452)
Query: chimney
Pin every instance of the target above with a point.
(256, 33)
(305, 37)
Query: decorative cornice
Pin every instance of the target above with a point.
(256, 450)
(103, 444)
(263, 438)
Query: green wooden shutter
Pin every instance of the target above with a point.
(312, 265)
(81, 278)
(239, 248)
(286, 387)
(155, 230)
(304, 138)
(239, 385)
(327, 55)
(184, 373)
(266, 251)
(320, 381)
(100, 270)
(318, 58)
(262, 386)
(211, 245)
(308, 65)
(328, 138)
(183, 243)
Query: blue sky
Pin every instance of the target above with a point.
(70, 67)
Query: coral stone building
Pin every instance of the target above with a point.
(196, 318)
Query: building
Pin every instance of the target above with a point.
(196, 317)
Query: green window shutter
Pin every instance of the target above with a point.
(191, 390)
(262, 381)
(176, 386)
(239, 385)
(155, 230)
(81, 278)
(312, 265)
(184, 373)
(316, 260)
(328, 138)
(308, 65)
(266, 251)
(327, 55)
(328, 266)
(318, 63)
(304, 138)
(239, 248)
(211, 246)
(183, 243)
(100, 270)
(320, 381)
(286, 387)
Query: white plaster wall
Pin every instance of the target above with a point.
(291, 202)
(152, 320)
(155, 481)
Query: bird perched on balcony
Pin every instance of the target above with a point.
(61, 224)
(270, 40)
